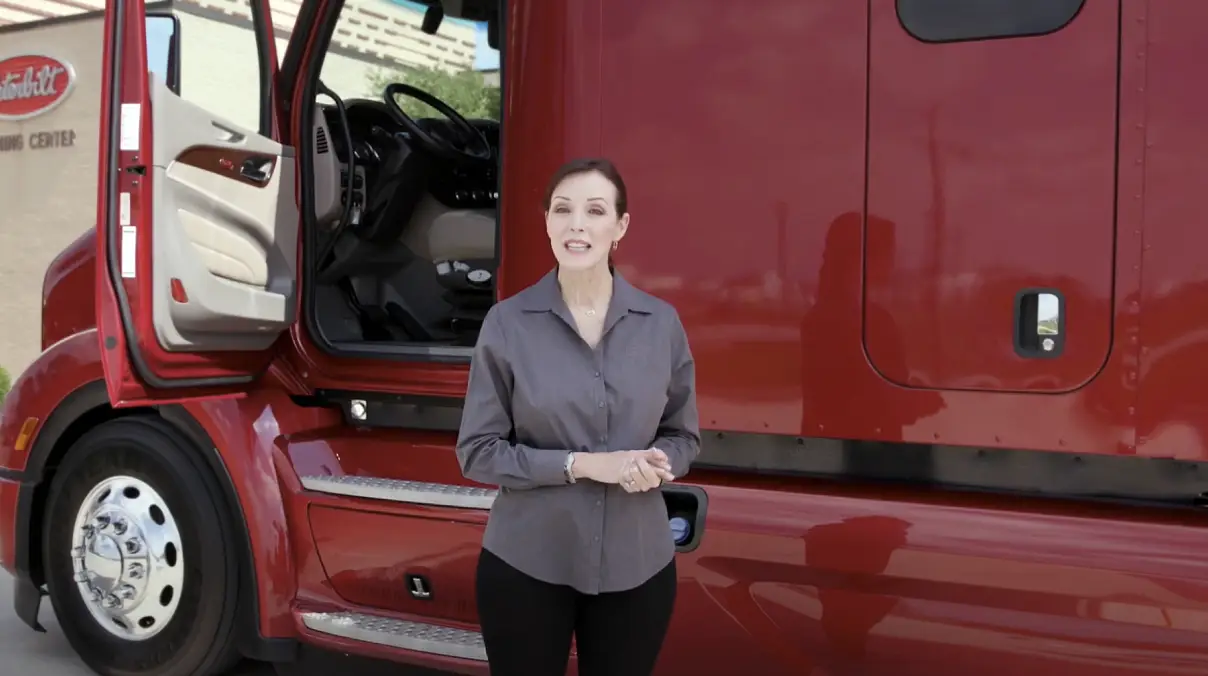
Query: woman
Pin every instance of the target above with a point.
(581, 403)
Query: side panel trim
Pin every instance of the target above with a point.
(1165, 482)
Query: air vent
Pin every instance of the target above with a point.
(321, 141)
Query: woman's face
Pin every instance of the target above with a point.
(582, 221)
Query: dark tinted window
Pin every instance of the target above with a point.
(956, 20)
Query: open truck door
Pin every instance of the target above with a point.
(197, 228)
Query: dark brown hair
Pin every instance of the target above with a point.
(584, 165)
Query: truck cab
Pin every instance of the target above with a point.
(949, 394)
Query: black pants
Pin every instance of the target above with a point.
(527, 624)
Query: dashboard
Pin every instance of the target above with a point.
(375, 133)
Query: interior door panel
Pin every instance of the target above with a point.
(225, 230)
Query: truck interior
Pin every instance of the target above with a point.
(402, 243)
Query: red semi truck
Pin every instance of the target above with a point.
(952, 392)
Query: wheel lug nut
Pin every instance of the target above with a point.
(102, 522)
(136, 571)
(132, 546)
(112, 601)
(120, 526)
(128, 592)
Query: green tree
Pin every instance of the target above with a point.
(6, 383)
(465, 91)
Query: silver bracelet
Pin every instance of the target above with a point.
(569, 468)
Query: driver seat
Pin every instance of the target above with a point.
(460, 243)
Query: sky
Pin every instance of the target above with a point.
(159, 37)
(485, 58)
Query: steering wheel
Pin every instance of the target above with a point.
(475, 148)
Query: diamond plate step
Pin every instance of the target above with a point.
(394, 490)
(425, 638)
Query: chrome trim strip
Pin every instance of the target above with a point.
(432, 639)
(395, 490)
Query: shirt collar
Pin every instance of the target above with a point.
(546, 296)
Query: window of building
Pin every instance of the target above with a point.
(963, 20)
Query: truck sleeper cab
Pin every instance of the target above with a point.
(949, 389)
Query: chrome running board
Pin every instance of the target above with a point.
(432, 639)
(395, 490)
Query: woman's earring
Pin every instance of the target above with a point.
(614, 245)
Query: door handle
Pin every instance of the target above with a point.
(257, 169)
(1039, 323)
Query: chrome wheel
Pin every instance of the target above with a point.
(127, 558)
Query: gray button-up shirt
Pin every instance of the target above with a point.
(538, 392)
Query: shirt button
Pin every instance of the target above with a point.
(601, 404)
(596, 538)
(599, 502)
(597, 374)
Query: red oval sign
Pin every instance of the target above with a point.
(33, 84)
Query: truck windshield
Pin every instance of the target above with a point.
(456, 64)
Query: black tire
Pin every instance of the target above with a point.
(199, 638)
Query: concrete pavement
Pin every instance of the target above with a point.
(27, 653)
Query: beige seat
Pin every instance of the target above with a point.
(440, 234)
(460, 244)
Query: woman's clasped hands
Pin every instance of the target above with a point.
(635, 471)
